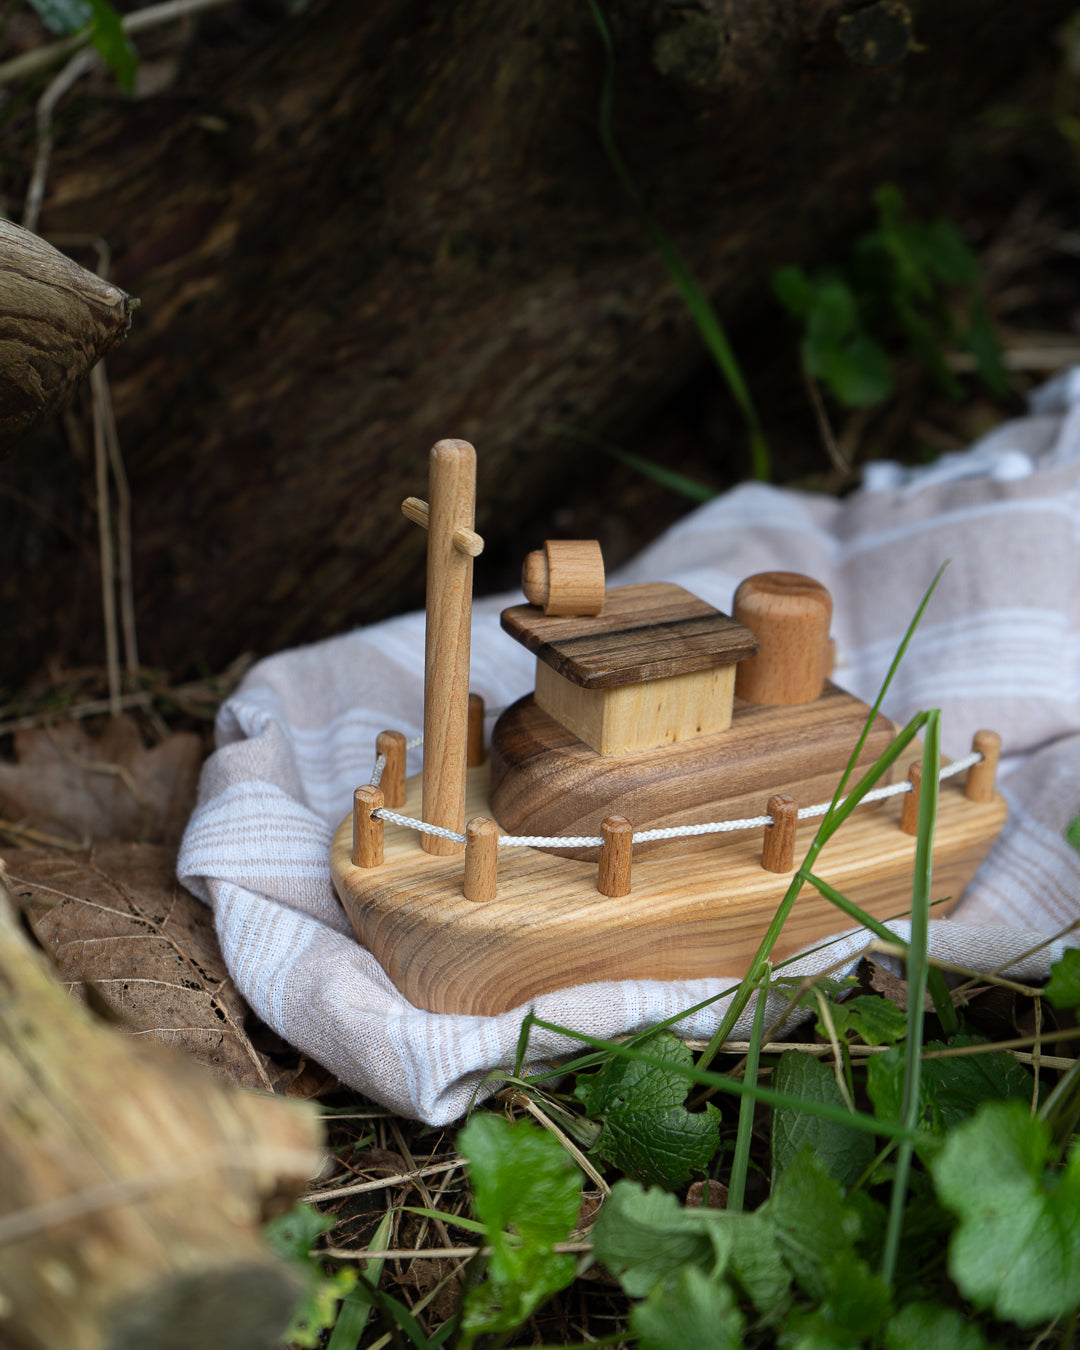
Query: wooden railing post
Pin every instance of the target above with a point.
(615, 856)
(481, 859)
(778, 844)
(367, 833)
(909, 812)
(392, 745)
(979, 783)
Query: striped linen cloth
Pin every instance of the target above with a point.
(999, 647)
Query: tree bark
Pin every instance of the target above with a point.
(368, 228)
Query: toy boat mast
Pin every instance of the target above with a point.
(452, 545)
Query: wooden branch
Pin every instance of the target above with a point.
(132, 1184)
(56, 321)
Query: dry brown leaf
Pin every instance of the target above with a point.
(875, 978)
(68, 784)
(118, 918)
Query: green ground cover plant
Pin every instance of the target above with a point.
(908, 289)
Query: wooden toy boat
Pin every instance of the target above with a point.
(639, 815)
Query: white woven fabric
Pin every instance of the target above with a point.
(999, 647)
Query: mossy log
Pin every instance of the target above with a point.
(132, 1183)
(360, 229)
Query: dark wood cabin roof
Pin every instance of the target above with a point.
(646, 632)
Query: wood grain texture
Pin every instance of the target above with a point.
(143, 1182)
(565, 577)
(449, 618)
(789, 614)
(979, 784)
(481, 860)
(778, 841)
(476, 750)
(616, 856)
(367, 849)
(544, 780)
(392, 745)
(909, 812)
(701, 914)
(56, 321)
(623, 718)
(646, 632)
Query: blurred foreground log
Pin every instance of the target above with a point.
(56, 321)
(132, 1184)
(358, 229)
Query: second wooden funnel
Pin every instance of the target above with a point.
(452, 545)
(789, 614)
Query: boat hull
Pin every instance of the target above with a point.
(546, 781)
(701, 914)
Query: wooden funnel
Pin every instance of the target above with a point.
(452, 545)
(789, 614)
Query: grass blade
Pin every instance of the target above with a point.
(659, 473)
(355, 1312)
(917, 972)
(695, 299)
(829, 823)
(741, 1160)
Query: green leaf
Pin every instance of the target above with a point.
(951, 1089)
(855, 1305)
(648, 1133)
(292, 1236)
(645, 1236)
(845, 1153)
(527, 1192)
(1016, 1248)
(1072, 834)
(688, 1309)
(875, 1020)
(1063, 989)
(812, 1222)
(62, 16)
(757, 1262)
(931, 1327)
(642, 1236)
(833, 317)
(108, 36)
(945, 252)
(794, 289)
(857, 371)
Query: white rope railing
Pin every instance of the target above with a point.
(647, 836)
